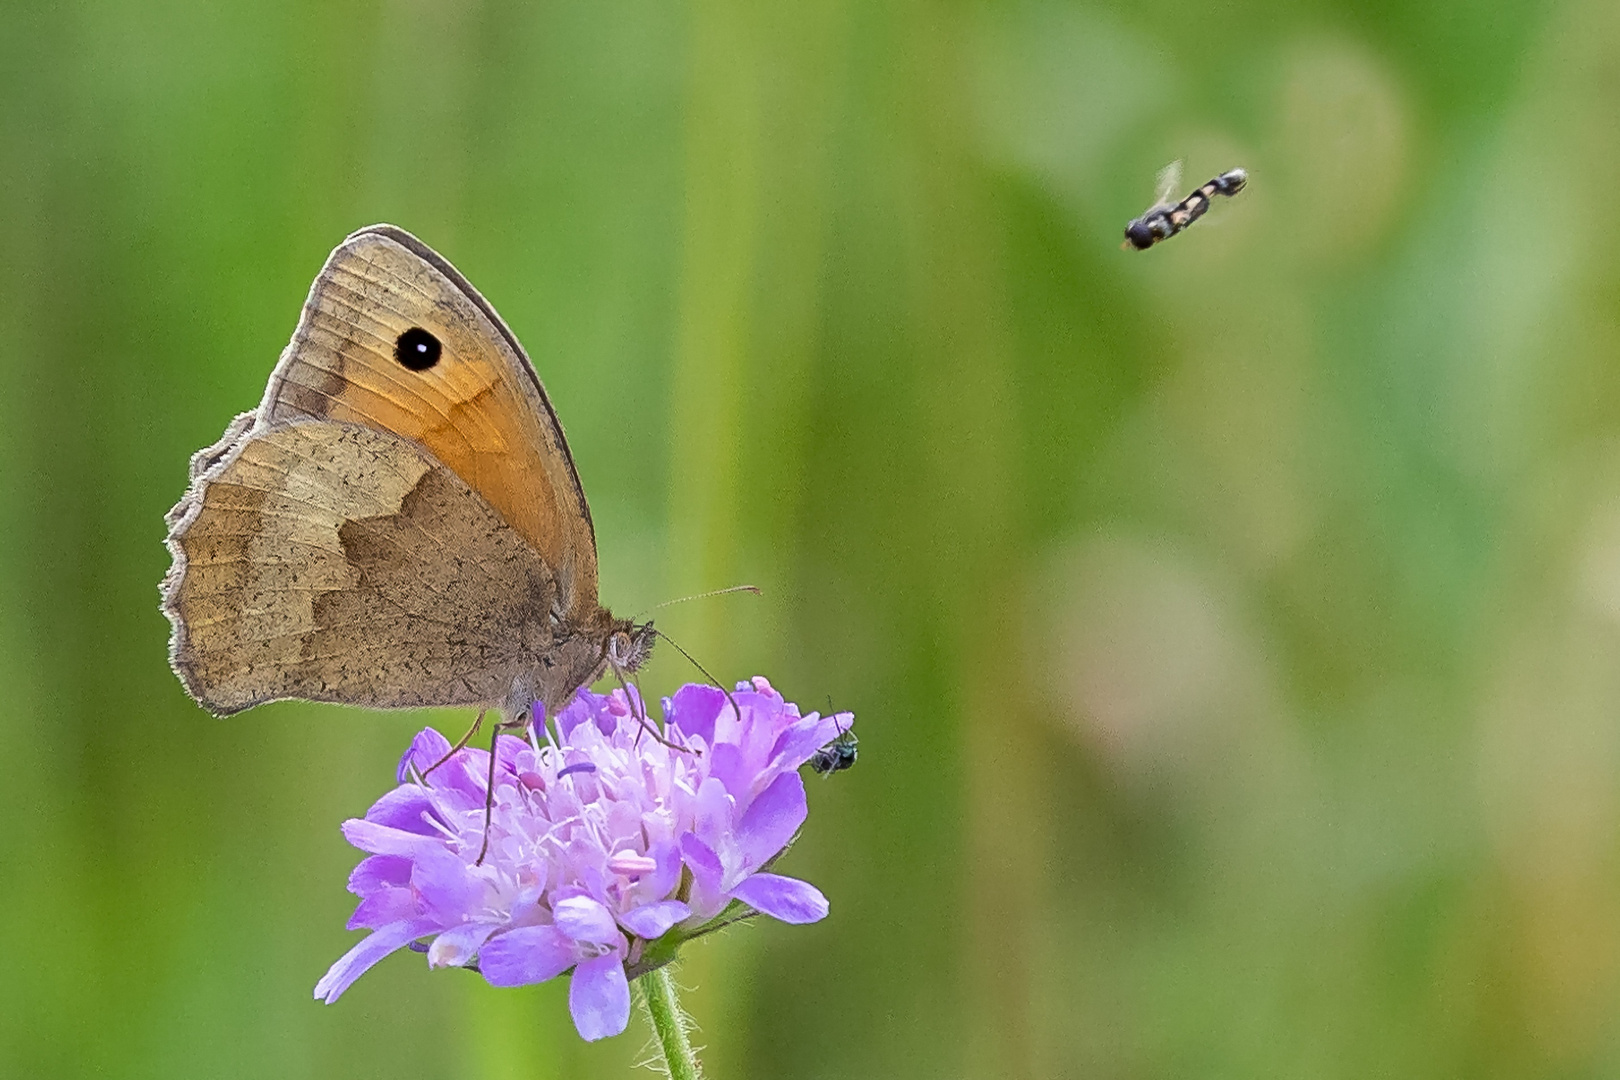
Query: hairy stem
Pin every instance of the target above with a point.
(668, 1024)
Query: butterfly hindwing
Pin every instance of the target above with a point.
(338, 563)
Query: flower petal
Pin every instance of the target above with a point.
(575, 713)
(662, 881)
(456, 947)
(404, 808)
(423, 753)
(378, 872)
(728, 765)
(785, 898)
(708, 876)
(651, 920)
(465, 777)
(701, 858)
(712, 812)
(387, 905)
(693, 710)
(768, 825)
(385, 840)
(529, 954)
(599, 997)
(585, 919)
(508, 749)
(358, 960)
(447, 886)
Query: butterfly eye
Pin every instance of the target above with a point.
(629, 649)
(417, 349)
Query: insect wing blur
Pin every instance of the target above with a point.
(1165, 186)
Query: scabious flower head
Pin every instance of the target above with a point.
(607, 848)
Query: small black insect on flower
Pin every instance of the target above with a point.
(836, 756)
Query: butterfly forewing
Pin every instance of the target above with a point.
(477, 406)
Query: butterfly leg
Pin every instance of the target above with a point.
(489, 793)
(489, 790)
(460, 743)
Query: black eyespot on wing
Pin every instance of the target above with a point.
(1139, 235)
(417, 349)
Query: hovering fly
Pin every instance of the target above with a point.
(1163, 219)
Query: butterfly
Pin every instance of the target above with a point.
(400, 522)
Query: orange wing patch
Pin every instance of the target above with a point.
(479, 409)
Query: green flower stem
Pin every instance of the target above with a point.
(669, 1024)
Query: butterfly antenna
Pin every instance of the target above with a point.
(755, 589)
(693, 661)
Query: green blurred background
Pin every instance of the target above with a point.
(1234, 629)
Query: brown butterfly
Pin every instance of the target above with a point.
(400, 522)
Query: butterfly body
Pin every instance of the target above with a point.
(400, 523)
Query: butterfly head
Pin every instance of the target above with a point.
(630, 645)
